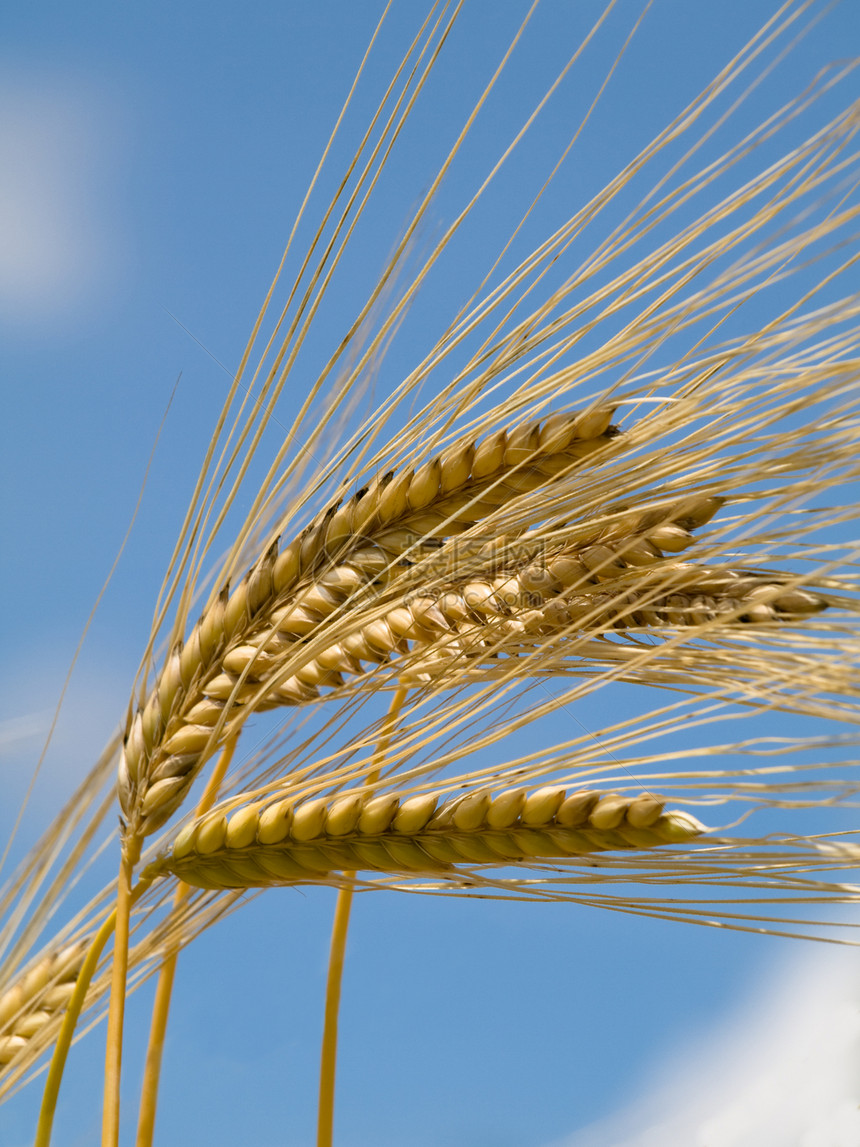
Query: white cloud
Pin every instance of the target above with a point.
(784, 1072)
(27, 727)
(92, 710)
(55, 218)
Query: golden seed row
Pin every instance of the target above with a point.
(36, 997)
(741, 600)
(562, 592)
(287, 842)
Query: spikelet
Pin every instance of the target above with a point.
(285, 842)
(35, 998)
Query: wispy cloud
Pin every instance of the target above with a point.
(27, 727)
(56, 229)
(783, 1072)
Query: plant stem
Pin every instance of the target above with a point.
(167, 973)
(328, 1056)
(116, 1012)
(337, 951)
(70, 1020)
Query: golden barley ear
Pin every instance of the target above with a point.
(210, 683)
(289, 842)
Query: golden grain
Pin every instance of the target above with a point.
(36, 997)
(415, 835)
(246, 635)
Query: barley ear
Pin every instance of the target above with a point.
(209, 684)
(416, 837)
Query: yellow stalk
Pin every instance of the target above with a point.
(70, 1020)
(339, 931)
(328, 1056)
(116, 1012)
(166, 975)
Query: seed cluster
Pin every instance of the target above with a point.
(291, 589)
(582, 588)
(238, 656)
(36, 997)
(286, 842)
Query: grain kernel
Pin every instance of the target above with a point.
(211, 835)
(242, 827)
(541, 806)
(414, 813)
(308, 819)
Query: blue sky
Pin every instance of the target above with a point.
(153, 159)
